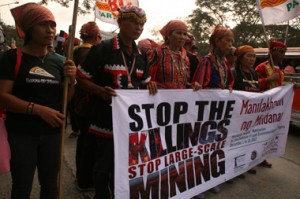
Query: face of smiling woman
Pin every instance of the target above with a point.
(177, 39)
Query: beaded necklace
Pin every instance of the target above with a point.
(252, 82)
(129, 85)
(221, 68)
(178, 66)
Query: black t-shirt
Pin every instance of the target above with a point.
(38, 81)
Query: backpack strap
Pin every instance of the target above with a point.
(18, 62)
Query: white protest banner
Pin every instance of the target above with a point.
(107, 10)
(277, 11)
(179, 143)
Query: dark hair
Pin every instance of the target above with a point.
(85, 37)
(27, 38)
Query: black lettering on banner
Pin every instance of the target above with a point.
(222, 130)
(229, 108)
(163, 114)
(217, 166)
(137, 187)
(177, 178)
(138, 124)
(216, 110)
(147, 108)
(201, 105)
(180, 108)
(208, 132)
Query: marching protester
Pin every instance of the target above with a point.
(114, 64)
(269, 73)
(169, 64)
(245, 78)
(193, 57)
(86, 143)
(231, 58)
(32, 96)
(213, 71)
(147, 45)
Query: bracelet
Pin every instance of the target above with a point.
(75, 82)
(29, 109)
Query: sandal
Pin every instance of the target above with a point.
(265, 164)
(252, 171)
(74, 134)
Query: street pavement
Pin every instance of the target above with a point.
(282, 181)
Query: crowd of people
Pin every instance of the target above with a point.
(31, 95)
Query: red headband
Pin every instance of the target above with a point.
(243, 49)
(277, 45)
(29, 15)
(171, 26)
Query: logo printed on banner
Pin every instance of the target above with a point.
(239, 163)
(278, 11)
(107, 10)
(271, 3)
(253, 155)
(271, 146)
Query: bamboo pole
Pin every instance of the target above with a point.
(65, 96)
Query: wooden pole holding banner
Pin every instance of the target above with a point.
(65, 96)
(268, 44)
(265, 32)
(286, 32)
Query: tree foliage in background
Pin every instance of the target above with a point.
(84, 7)
(11, 35)
(243, 16)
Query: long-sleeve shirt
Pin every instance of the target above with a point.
(208, 73)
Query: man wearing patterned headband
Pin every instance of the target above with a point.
(114, 64)
(269, 73)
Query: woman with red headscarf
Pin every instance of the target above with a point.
(32, 97)
(169, 63)
(245, 78)
(213, 70)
